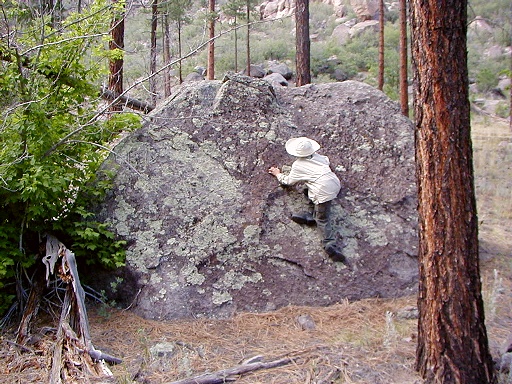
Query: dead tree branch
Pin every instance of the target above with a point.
(225, 375)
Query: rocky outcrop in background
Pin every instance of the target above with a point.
(209, 230)
(363, 9)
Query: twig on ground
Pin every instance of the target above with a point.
(223, 376)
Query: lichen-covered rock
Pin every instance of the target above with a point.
(209, 230)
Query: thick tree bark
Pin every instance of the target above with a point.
(404, 87)
(211, 45)
(115, 79)
(452, 338)
(302, 54)
(381, 45)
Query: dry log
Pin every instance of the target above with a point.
(224, 375)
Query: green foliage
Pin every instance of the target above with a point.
(489, 9)
(322, 19)
(503, 110)
(391, 60)
(486, 79)
(92, 238)
(234, 8)
(362, 51)
(272, 50)
(122, 122)
(53, 142)
(177, 10)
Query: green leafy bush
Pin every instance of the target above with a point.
(486, 79)
(53, 142)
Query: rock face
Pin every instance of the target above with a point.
(365, 9)
(209, 230)
(276, 9)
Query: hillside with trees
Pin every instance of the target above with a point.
(357, 58)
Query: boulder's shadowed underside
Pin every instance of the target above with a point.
(209, 230)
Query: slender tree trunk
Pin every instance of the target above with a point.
(236, 43)
(381, 45)
(510, 76)
(404, 86)
(211, 45)
(167, 54)
(302, 44)
(152, 59)
(115, 80)
(452, 338)
(248, 45)
(180, 68)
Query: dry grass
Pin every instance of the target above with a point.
(362, 342)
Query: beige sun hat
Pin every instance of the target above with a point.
(301, 146)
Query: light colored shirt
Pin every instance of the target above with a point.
(323, 185)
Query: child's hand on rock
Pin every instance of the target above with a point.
(274, 171)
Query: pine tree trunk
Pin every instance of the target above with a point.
(248, 45)
(167, 54)
(235, 43)
(510, 76)
(404, 86)
(115, 80)
(381, 45)
(152, 58)
(180, 68)
(452, 338)
(211, 45)
(302, 54)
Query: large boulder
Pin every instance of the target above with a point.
(341, 34)
(280, 68)
(209, 230)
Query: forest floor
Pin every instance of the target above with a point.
(370, 341)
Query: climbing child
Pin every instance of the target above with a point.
(322, 185)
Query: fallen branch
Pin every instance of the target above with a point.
(223, 376)
(127, 101)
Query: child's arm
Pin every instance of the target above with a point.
(281, 177)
